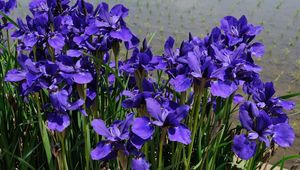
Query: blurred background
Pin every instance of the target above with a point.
(281, 35)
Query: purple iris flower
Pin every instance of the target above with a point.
(176, 70)
(34, 76)
(38, 6)
(37, 32)
(111, 24)
(7, 6)
(74, 69)
(139, 162)
(143, 59)
(60, 101)
(258, 129)
(168, 115)
(115, 136)
(169, 53)
(243, 147)
(263, 96)
(200, 66)
(46, 27)
(237, 99)
(136, 98)
(188, 63)
(238, 30)
(138, 158)
(58, 121)
(233, 67)
(260, 126)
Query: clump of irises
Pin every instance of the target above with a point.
(173, 109)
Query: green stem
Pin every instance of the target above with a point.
(161, 145)
(44, 134)
(86, 128)
(146, 149)
(198, 90)
(63, 152)
(122, 161)
(8, 41)
(250, 164)
(84, 8)
(116, 51)
(87, 144)
(183, 97)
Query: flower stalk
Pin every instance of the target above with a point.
(161, 146)
(63, 154)
(198, 90)
(44, 134)
(86, 127)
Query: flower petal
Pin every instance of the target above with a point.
(82, 77)
(124, 127)
(58, 121)
(142, 127)
(257, 49)
(194, 65)
(136, 141)
(180, 134)
(140, 163)
(287, 105)
(181, 83)
(154, 108)
(254, 30)
(30, 40)
(237, 99)
(147, 85)
(74, 53)
(103, 151)
(169, 46)
(57, 42)
(100, 128)
(243, 147)
(123, 34)
(223, 88)
(284, 134)
(15, 75)
(76, 105)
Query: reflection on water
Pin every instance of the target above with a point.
(281, 20)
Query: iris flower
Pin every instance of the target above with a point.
(168, 115)
(115, 136)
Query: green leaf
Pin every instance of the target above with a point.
(19, 159)
(283, 160)
(9, 19)
(31, 151)
(290, 95)
(151, 38)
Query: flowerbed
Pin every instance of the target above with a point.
(102, 99)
